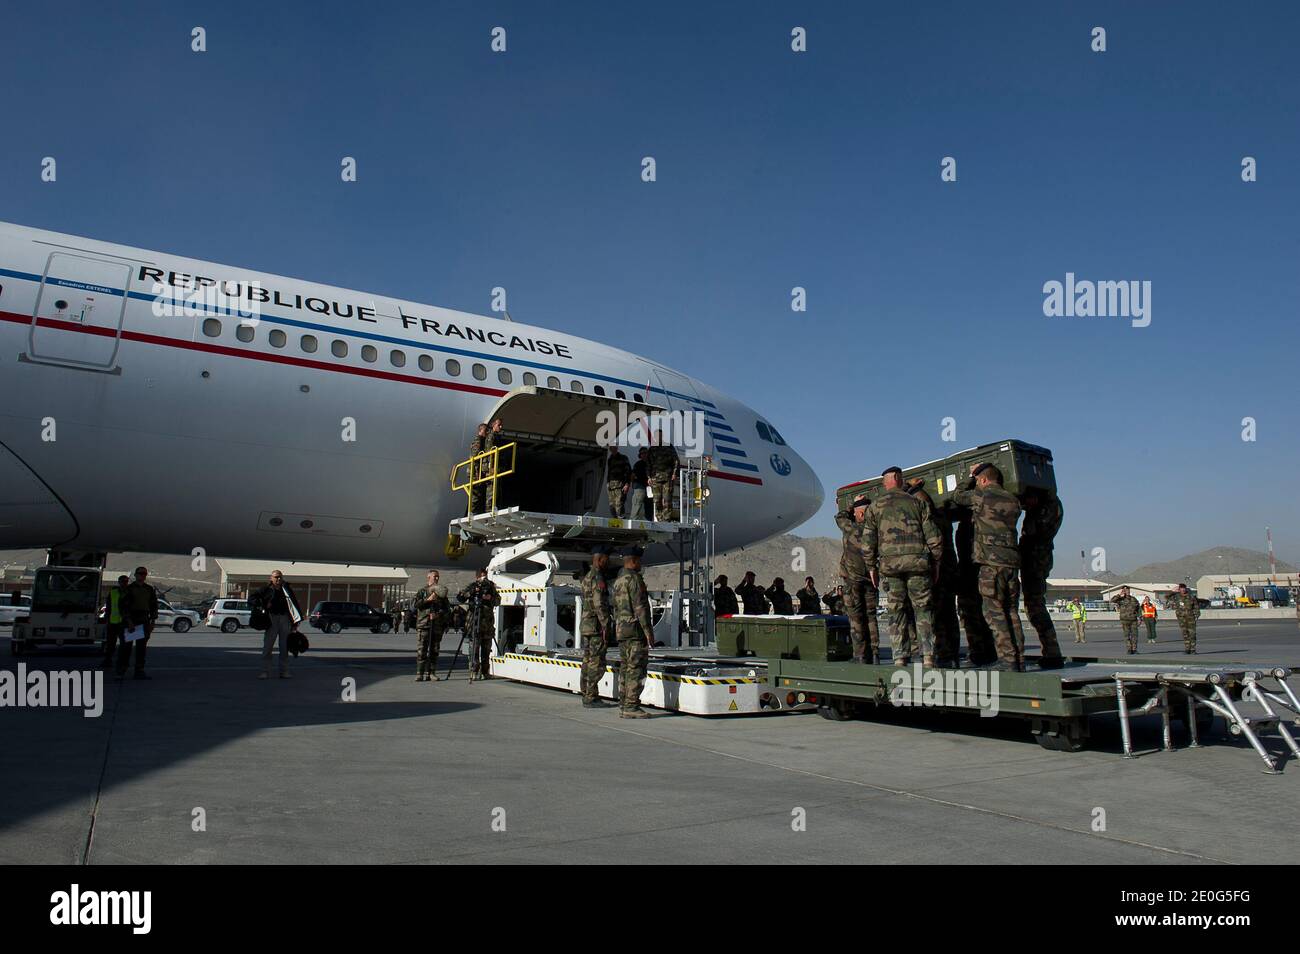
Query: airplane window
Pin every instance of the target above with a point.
(339, 348)
(480, 372)
(245, 332)
(369, 353)
(638, 398)
(277, 338)
(504, 375)
(530, 379)
(600, 390)
(309, 343)
(398, 358)
(426, 362)
(763, 431)
(212, 327)
(776, 435)
(575, 386)
(620, 395)
(453, 367)
(553, 382)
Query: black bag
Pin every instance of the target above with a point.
(298, 643)
(259, 618)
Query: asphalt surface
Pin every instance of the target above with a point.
(289, 772)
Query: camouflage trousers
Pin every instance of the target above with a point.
(634, 657)
(1130, 627)
(970, 606)
(480, 649)
(427, 641)
(594, 649)
(947, 634)
(616, 496)
(1034, 589)
(663, 491)
(909, 606)
(1188, 627)
(1000, 591)
(860, 601)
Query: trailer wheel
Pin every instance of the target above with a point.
(1060, 735)
(837, 710)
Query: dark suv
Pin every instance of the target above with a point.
(332, 617)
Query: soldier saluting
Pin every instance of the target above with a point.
(432, 609)
(994, 514)
(1129, 611)
(634, 627)
(1188, 610)
(597, 627)
(902, 544)
(724, 598)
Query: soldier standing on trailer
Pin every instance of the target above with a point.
(618, 476)
(947, 633)
(860, 598)
(597, 627)
(432, 609)
(1188, 610)
(970, 605)
(480, 598)
(635, 634)
(994, 514)
(1043, 516)
(902, 545)
(1130, 610)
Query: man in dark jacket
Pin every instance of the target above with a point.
(139, 609)
(282, 615)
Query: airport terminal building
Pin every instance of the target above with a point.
(317, 582)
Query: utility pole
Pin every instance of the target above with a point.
(1272, 560)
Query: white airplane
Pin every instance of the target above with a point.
(125, 429)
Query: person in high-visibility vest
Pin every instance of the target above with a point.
(115, 617)
(1149, 617)
(1080, 619)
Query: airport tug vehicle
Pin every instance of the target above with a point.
(748, 664)
(64, 610)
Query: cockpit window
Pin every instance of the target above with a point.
(763, 432)
(776, 435)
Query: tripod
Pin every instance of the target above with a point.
(470, 631)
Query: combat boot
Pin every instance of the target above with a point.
(595, 704)
(634, 713)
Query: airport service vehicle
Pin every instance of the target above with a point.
(229, 615)
(184, 360)
(336, 617)
(10, 610)
(64, 610)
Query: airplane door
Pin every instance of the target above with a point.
(679, 391)
(79, 312)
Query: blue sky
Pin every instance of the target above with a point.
(774, 170)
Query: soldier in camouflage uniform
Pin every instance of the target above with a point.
(1188, 611)
(860, 598)
(947, 633)
(663, 466)
(494, 439)
(970, 605)
(432, 610)
(597, 627)
(634, 628)
(724, 598)
(476, 447)
(779, 597)
(994, 514)
(618, 477)
(1130, 612)
(1043, 516)
(903, 545)
(810, 600)
(751, 594)
(480, 598)
(834, 600)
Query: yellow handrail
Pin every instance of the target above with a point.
(479, 471)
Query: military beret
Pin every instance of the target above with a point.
(891, 470)
(980, 469)
(602, 550)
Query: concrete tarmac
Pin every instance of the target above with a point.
(453, 772)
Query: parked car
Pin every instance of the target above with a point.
(10, 611)
(228, 615)
(180, 620)
(334, 617)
